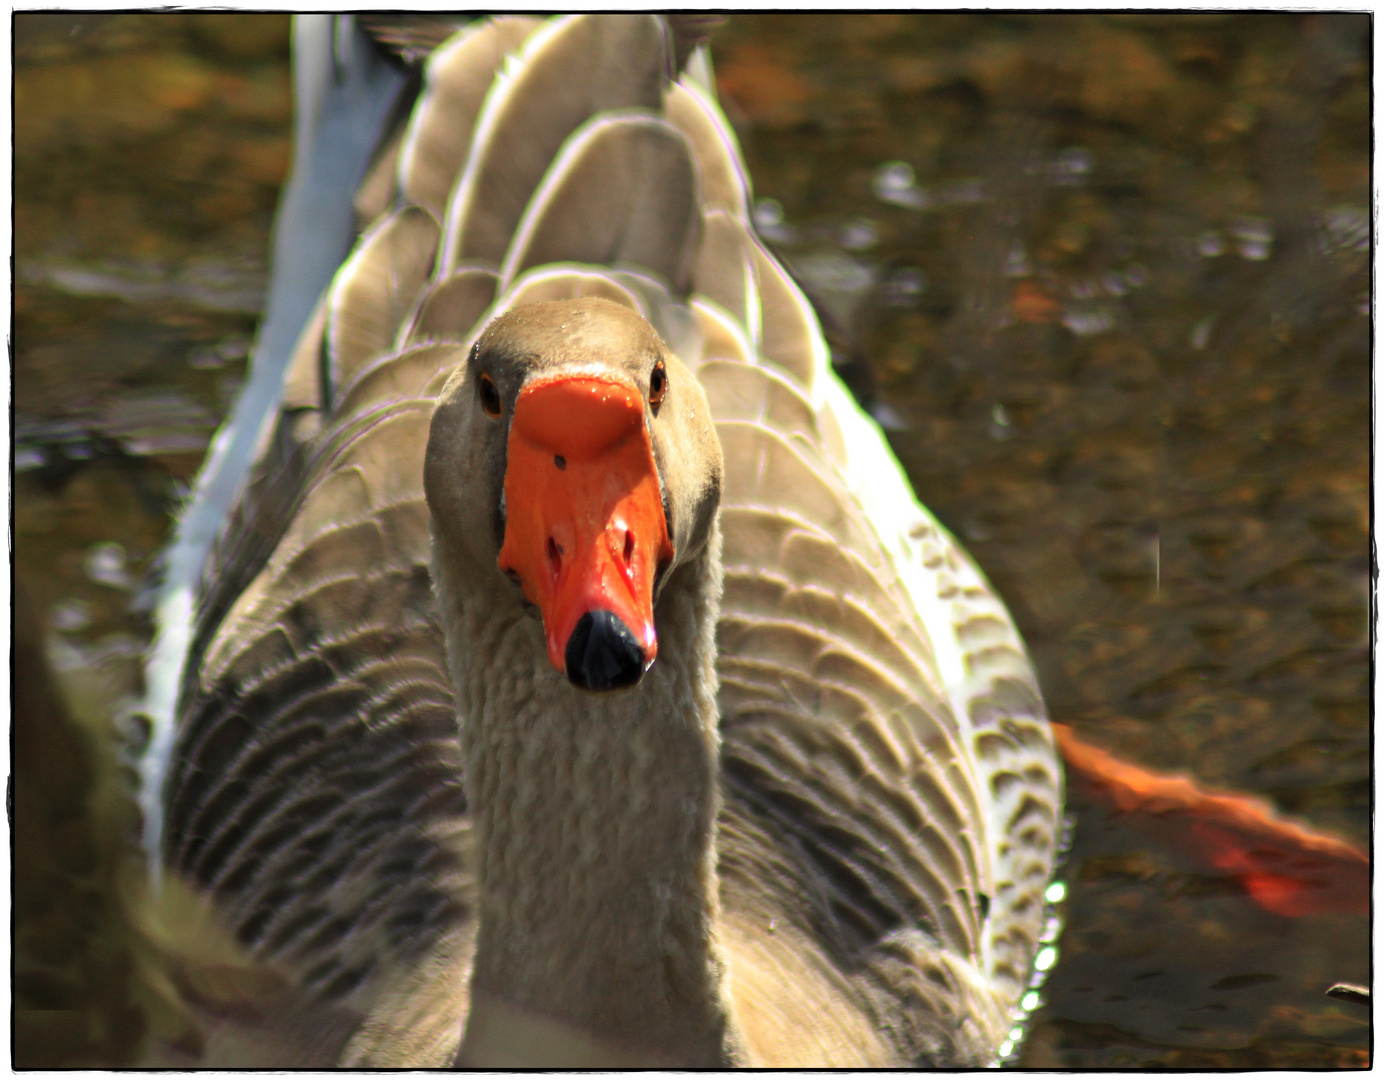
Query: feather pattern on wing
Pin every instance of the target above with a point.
(545, 94)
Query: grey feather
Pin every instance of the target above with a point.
(458, 76)
(531, 110)
(621, 191)
(377, 289)
(720, 167)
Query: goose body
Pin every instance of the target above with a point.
(815, 832)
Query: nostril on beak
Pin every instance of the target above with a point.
(554, 555)
(629, 546)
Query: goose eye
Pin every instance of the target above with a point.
(658, 384)
(490, 397)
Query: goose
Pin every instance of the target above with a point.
(576, 680)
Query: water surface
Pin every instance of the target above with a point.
(1103, 279)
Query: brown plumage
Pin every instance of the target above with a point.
(817, 832)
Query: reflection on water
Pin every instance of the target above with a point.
(1104, 281)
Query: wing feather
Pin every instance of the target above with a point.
(622, 191)
(457, 78)
(399, 376)
(377, 289)
(721, 171)
(451, 308)
(725, 273)
(566, 73)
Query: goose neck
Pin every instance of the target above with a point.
(595, 819)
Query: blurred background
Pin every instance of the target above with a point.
(1103, 279)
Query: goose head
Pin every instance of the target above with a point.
(572, 471)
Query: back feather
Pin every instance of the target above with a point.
(545, 94)
(438, 137)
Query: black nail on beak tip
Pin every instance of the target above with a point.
(602, 653)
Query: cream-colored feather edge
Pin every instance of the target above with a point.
(725, 181)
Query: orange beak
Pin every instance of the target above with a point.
(585, 531)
